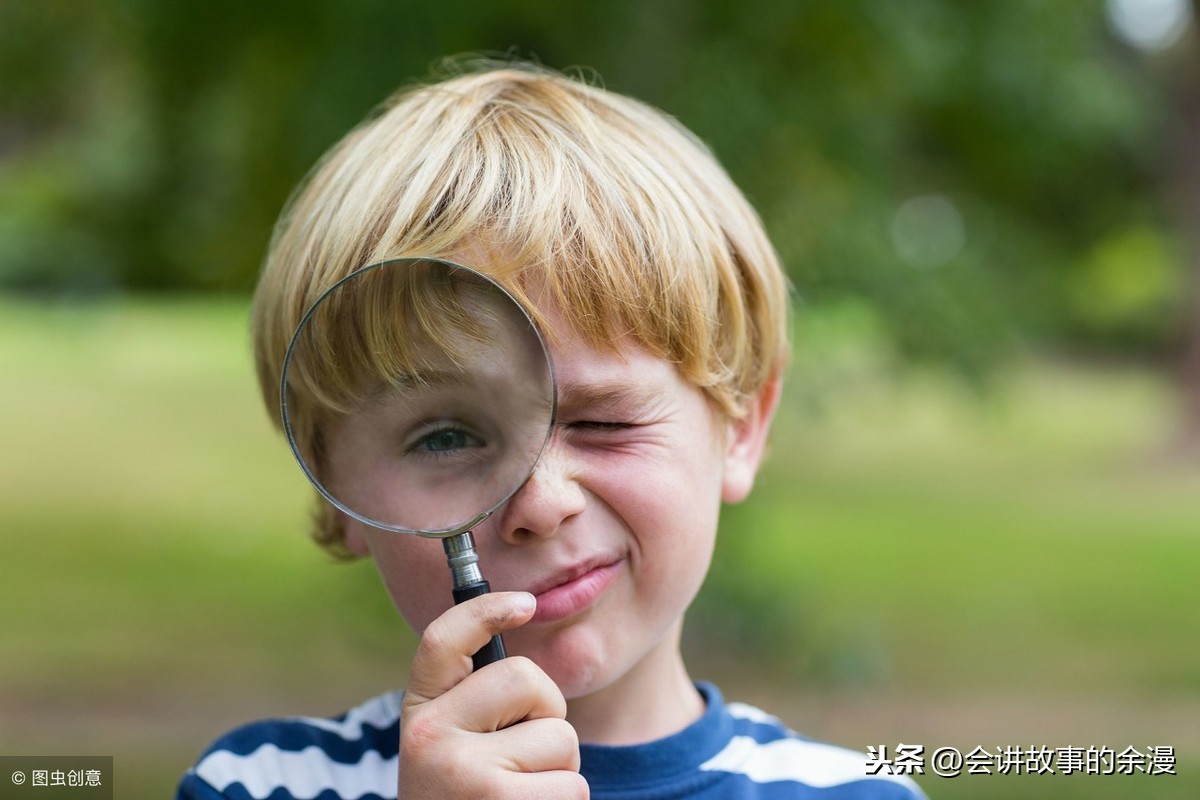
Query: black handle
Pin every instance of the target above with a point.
(493, 650)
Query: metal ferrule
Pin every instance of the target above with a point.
(464, 563)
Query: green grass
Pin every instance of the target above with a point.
(917, 564)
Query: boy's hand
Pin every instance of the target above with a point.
(498, 733)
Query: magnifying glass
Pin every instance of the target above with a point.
(417, 396)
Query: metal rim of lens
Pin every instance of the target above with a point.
(440, 533)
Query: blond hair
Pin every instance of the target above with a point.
(605, 205)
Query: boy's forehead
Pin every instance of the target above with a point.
(570, 344)
(592, 365)
(619, 372)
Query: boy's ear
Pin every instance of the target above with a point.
(747, 439)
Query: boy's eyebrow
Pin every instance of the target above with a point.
(407, 382)
(590, 394)
(430, 379)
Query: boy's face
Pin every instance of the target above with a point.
(615, 529)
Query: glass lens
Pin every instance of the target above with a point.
(417, 395)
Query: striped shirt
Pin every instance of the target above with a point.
(733, 751)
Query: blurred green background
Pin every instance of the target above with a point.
(980, 520)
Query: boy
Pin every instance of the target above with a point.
(665, 309)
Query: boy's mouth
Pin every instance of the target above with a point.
(574, 589)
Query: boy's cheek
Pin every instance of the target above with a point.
(418, 606)
(414, 572)
(352, 532)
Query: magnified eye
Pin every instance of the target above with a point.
(445, 440)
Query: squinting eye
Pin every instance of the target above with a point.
(595, 425)
(447, 440)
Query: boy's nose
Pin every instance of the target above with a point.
(550, 497)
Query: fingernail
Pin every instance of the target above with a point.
(524, 602)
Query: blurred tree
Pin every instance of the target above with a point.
(963, 173)
(1186, 193)
(1164, 41)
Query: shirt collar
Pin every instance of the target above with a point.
(665, 760)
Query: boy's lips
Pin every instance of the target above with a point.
(574, 589)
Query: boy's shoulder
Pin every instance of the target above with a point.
(773, 761)
(737, 752)
(352, 756)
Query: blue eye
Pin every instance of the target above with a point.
(446, 440)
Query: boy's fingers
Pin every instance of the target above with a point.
(538, 745)
(562, 785)
(443, 657)
(527, 693)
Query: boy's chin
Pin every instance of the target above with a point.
(578, 668)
